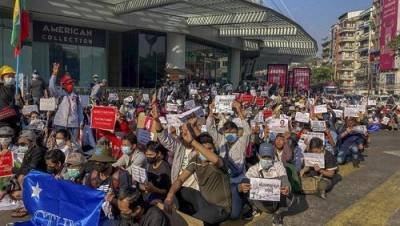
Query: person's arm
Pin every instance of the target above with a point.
(210, 124)
(121, 162)
(330, 138)
(176, 186)
(52, 83)
(325, 172)
(162, 135)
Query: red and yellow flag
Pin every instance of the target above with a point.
(20, 26)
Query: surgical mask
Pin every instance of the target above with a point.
(126, 150)
(266, 163)
(23, 149)
(73, 173)
(231, 137)
(60, 142)
(5, 141)
(9, 81)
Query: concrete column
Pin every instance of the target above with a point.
(176, 50)
(235, 67)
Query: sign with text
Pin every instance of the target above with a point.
(301, 78)
(320, 109)
(388, 31)
(143, 136)
(311, 135)
(223, 104)
(104, 118)
(278, 125)
(197, 111)
(312, 159)
(318, 126)
(27, 109)
(302, 117)
(173, 120)
(351, 112)
(189, 104)
(260, 102)
(171, 107)
(277, 74)
(48, 104)
(138, 173)
(6, 164)
(338, 113)
(246, 99)
(265, 189)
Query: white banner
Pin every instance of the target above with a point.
(302, 117)
(265, 189)
(312, 159)
(278, 125)
(223, 104)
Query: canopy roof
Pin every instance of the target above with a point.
(259, 27)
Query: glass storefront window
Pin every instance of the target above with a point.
(207, 62)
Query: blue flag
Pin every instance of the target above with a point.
(59, 202)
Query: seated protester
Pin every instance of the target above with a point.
(35, 123)
(74, 168)
(350, 143)
(268, 168)
(283, 152)
(212, 204)
(133, 211)
(131, 155)
(331, 139)
(323, 176)
(6, 146)
(62, 141)
(158, 174)
(55, 162)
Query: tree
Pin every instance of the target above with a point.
(395, 43)
(321, 75)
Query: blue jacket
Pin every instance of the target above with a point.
(69, 113)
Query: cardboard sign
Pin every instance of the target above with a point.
(171, 107)
(104, 118)
(84, 100)
(27, 109)
(48, 104)
(265, 189)
(350, 112)
(189, 104)
(138, 173)
(247, 99)
(278, 125)
(143, 136)
(6, 164)
(320, 109)
(302, 117)
(260, 101)
(259, 117)
(223, 104)
(312, 159)
(173, 120)
(338, 113)
(318, 126)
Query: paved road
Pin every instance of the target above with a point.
(367, 196)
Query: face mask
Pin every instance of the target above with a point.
(73, 173)
(51, 170)
(266, 164)
(9, 81)
(60, 142)
(231, 137)
(69, 88)
(152, 160)
(126, 150)
(23, 149)
(5, 141)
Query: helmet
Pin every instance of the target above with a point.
(6, 70)
(6, 131)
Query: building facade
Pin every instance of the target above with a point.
(132, 43)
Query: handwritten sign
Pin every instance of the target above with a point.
(143, 136)
(48, 104)
(138, 173)
(6, 164)
(338, 113)
(312, 159)
(320, 109)
(302, 117)
(27, 109)
(104, 118)
(189, 104)
(318, 126)
(278, 125)
(265, 189)
(350, 112)
(223, 104)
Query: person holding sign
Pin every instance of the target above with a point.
(321, 177)
(213, 203)
(268, 168)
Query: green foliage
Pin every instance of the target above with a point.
(395, 43)
(321, 75)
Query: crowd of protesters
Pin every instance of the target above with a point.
(201, 165)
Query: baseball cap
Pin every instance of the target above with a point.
(266, 150)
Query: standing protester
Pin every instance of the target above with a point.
(97, 93)
(8, 108)
(37, 88)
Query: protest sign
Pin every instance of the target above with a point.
(312, 159)
(223, 104)
(361, 108)
(302, 117)
(350, 112)
(259, 117)
(264, 93)
(113, 97)
(138, 173)
(385, 120)
(320, 109)
(278, 125)
(318, 126)
(146, 122)
(311, 135)
(6, 164)
(246, 99)
(193, 91)
(173, 120)
(84, 100)
(360, 129)
(146, 97)
(302, 145)
(27, 109)
(371, 102)
(265, 189)
(253, 92)
(198, 111)
(260, 102)
(338, 113)
(143, 136)
(48, 104)
(267, 114)
(189, 104)
(103, 118)
(171, 107)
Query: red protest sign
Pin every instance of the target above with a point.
(6, 164)
(260, 101)
(267, 114)
(104, 118)
(247, 98)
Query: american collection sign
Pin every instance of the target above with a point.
(67, 34)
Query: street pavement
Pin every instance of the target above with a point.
(365, 196)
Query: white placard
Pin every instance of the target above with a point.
(265, 189)
(318, 126)
(385, 120)
(311, 135)
(143, 136)
(189, 104)
(146, 97)
(223, 104)
(312, 159)
(193, 91)
(138, 173)
(253, 92)
(173, 120)
(302, 145)
(350, 112)
(84, 100)
(302, 117)
(338, 113)
(198, 111)
(361, 129)
(259, 117)
(320, 109)
(27, 109)
(264, 93)
(113, 97)
(163, 120)
(238, 122)
(171, 107)
(278, 125)
(371, 102)
(361, 108)
(48, 104)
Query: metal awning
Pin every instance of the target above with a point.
(259, 27)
